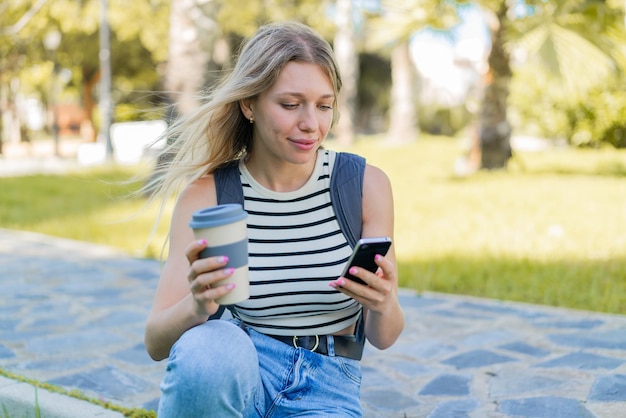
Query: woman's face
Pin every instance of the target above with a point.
(292, 117)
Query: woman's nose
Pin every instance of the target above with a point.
(308, 119)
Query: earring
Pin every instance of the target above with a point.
(251, 119)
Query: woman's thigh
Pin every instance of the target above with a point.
(212, 369)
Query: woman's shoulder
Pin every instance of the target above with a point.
(198, 194)
(375, 176)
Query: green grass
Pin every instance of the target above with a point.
(551, 229)
(93, 206)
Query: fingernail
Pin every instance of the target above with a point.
(378, 257)
(202, 242)
(341, 282)
(229, 271)
(230, 286)
(222, 259)
(332, 284)
(354, 270)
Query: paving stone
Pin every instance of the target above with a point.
(151, 405)
(87, 341)
(614, 339)
(6, 352)
(524, 348)
(108, 382)
(54, 321)
(135, 355)
(380, 400)
(611, 388)
(431, 349)
(477, 358)
(55, 365)
(410, 300)
(580, 324)
(373, 377)
(505, 310)
(8, 324)
(451, 313)
(488, 338)
(545, 407)
(583, 361)
(448, 385)
(409, 369)
(522, 382)
(455, 409)
(119, 318)
(20, 335)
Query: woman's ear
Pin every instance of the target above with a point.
(246, 108)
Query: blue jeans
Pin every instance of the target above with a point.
(217, 369)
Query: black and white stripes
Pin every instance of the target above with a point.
(295, 249)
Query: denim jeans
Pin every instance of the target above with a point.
(217, 369)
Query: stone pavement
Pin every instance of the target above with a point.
(72, 314)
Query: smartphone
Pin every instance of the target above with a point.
(363, 255)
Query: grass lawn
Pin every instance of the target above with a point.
(551, 229)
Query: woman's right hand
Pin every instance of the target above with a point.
(203, 275)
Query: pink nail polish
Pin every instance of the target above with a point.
(354, 270)
(230, 286)
(202, 242)
(222, 259)
(341, 282)
(229, 271)
(333, 285)
(378, 257)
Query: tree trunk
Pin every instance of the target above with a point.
(348, 61)
(402, 123)
(193, 33)
(494, 127)
(90, 80)
(193, 62)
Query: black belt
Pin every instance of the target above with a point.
(345, 346)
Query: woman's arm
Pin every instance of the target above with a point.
(384, 319)
(183, 298)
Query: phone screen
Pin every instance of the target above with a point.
(363, 255)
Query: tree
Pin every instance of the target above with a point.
(390, 32)
(348, 62)
(576, 40)
(193, 34)
(136, 49)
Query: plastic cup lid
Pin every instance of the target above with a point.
(217, 216)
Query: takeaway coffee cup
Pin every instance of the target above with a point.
(224, 228)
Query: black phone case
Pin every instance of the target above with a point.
(364, 258)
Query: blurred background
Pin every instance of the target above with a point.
(501, 123)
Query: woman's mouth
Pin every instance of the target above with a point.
(304, 144)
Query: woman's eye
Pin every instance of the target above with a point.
(290, 105)
(326, 107)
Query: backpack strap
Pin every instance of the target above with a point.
(346, 193)
(228, 190)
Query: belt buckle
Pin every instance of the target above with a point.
(317, 343)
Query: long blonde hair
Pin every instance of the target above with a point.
(217, 131)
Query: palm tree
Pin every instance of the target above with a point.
(573, 39)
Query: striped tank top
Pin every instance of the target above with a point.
(295, 249)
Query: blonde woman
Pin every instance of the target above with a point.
(269, 118)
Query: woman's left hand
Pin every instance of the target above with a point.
(378, 294)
